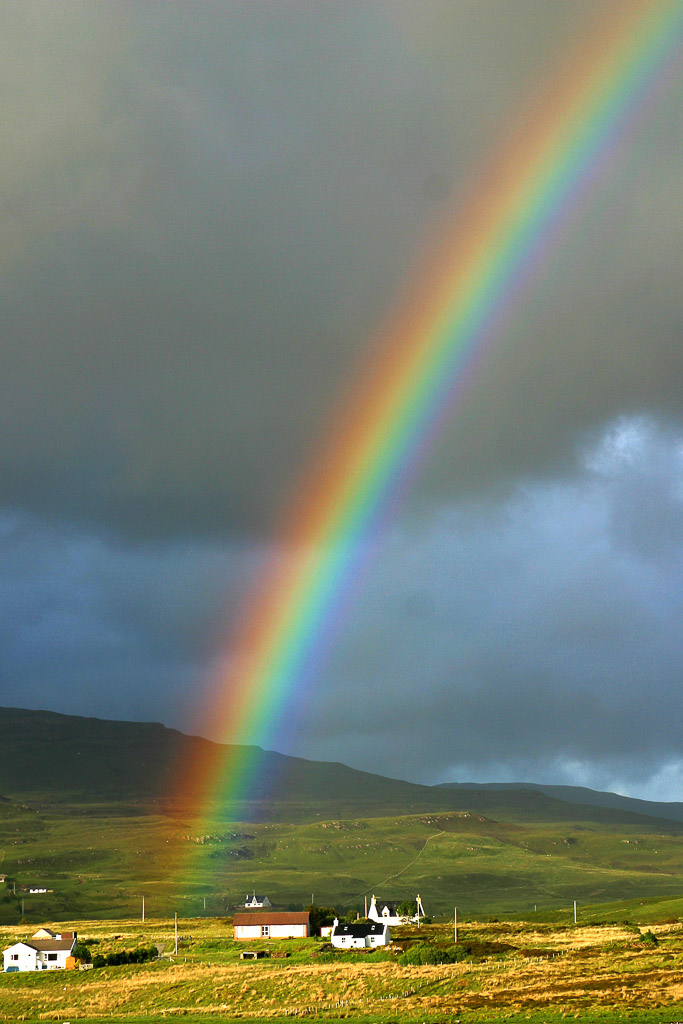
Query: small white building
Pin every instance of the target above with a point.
(41, 954)
(257, 901)
(272, 925)
(387, 911)
(361, 935)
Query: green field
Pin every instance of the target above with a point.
(100, 865)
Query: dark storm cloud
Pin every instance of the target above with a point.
(533, 638)
(124, 632)
(208, 211)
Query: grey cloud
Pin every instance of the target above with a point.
(209, 212)
(532, 635)
(121, 631)
(534, 638)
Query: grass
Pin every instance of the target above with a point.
(544, 973)
(100, 864)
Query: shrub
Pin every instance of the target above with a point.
(140, 955)
(424, 953)
(320, 916)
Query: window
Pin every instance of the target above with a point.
(52, 956)
(265, 930)
(14, 956)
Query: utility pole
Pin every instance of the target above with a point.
(366, 906)
(574, 911)
(205, 903)
(455, 925)
(143, 909)
(176, 934)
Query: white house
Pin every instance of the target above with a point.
(257, 901)
(387, 911)
(361, 935)
(272, 925)
(41, 954)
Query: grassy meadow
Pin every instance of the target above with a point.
(513, 971)
(99, 864)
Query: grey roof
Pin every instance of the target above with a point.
(51, 945)
(359, 931)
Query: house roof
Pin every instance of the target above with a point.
(46, 945)
(51, 945)
(359, 931)
(272, 917)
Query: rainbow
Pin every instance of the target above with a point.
(417, 372)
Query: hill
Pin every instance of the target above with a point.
(85, 813)
(582, 795)
(82, 761)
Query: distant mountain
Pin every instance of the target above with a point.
(581, 795)
(65, 759)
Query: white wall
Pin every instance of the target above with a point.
(288, 931)
(26, 957)
(275, 931)
(348, 942)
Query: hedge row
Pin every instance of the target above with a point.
(126, 956)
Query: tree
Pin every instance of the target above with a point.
(320, 916)
(407, 908)
(82, 953)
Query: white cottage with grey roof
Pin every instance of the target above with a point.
(360, 935)
(39, 953)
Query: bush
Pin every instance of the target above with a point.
(649, 938)
(82, 953)
(320, 917)
(424, 953)
(140, 955)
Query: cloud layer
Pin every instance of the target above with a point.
(208, 214)
(532, 639)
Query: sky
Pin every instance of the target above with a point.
(209, 213)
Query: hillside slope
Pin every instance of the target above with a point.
(85, 812)
(79, 761)
(582, 795)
